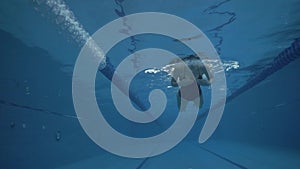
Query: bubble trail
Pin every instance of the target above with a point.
(67, 20)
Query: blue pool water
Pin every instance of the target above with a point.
(258, 43)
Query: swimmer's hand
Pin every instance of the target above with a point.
(184, 81)
(173, 82)
(204, 81)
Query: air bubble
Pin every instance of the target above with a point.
(12, 124)
(58, 136)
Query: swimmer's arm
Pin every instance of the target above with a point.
(209, 76)
(184, 81)
(203, 82)
(181, 77)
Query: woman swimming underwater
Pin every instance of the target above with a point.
(188, 73)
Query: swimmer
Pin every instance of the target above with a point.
(186, 81)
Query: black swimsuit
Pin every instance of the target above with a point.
(189, 93)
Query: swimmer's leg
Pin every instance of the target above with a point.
(178, 99)
(198, 100)
(201, 97)
(173, 82)
(181, 102)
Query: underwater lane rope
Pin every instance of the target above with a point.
(67, 18)
(109, 71)
(287, 56)
(81, 36)
(284, 58)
